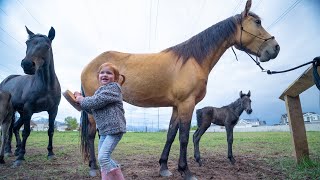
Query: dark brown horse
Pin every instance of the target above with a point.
(6, 117)
(227, 116)
(177, 77)
(36, 92)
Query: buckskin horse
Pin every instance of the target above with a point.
(6, 117)
(35, 92)
(227, 116)
(176, 77)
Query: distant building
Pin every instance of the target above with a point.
(308, 117)
(243, 123)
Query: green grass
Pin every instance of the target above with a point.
(274, 148)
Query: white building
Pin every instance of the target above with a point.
(308, 117)
(243, 123)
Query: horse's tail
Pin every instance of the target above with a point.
(123, 79)
(199, 117)
(84, 133)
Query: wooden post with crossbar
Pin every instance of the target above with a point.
(294, 111)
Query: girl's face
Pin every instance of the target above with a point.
(106, 75)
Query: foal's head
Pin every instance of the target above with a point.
(246, 102)
(38, 51)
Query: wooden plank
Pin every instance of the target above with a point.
(304, 82)
(297, 127)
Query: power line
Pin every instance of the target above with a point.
(156, 26)
(11, 36)
(150, 14)
(284, 14)
(237, 7)
(29, 13)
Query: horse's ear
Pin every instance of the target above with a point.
(247, 8)
(29, 32)
(249, 94)
(240, 94)
(51, 34)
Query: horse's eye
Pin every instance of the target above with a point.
(258, 21)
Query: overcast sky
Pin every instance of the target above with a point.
(86, 28)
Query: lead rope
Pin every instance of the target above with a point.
(315, 63)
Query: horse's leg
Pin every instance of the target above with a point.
(185, 111)
(172, 131)
(8, 151)
(52, 117)
(5, 129)
(91, 137)
(16, 128)
(25, 118)
(229, 129)
(196, 139)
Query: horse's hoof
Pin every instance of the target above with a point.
(232, 161)
(51, 157)
(92, 173)
(165, 173)
(2, 161)
(16, 163)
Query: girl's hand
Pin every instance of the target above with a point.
(77, 94)
(79, 98)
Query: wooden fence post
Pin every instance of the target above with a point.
(297, 127)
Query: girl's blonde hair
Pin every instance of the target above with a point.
(113, 68)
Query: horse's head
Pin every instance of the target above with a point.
(253, 38)
(38, 51)
(246, 102)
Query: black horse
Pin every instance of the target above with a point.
(35, 92)
(227, 116)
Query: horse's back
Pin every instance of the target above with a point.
(149, 77)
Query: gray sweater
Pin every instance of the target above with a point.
(106, 106)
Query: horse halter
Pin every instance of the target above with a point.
(246, 49)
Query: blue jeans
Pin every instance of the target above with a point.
(105, 148)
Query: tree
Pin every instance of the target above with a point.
(71, 123)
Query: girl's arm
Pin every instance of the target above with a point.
(106, 95)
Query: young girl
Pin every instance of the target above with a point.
(106, 106)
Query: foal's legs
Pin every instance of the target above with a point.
(197, 136)
(8, 151)
(5, 130)
(229, 129)
(52, 117)
(172, 131)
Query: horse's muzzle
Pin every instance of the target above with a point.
(28, 66)
(249, 111)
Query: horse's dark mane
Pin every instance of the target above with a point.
(200, 45)
(38, 35)
(236, 105)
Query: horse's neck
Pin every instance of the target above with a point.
(47, 75)
(237, 107)
(225, 34)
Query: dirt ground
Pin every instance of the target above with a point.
(70, 166)
(214, 167)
